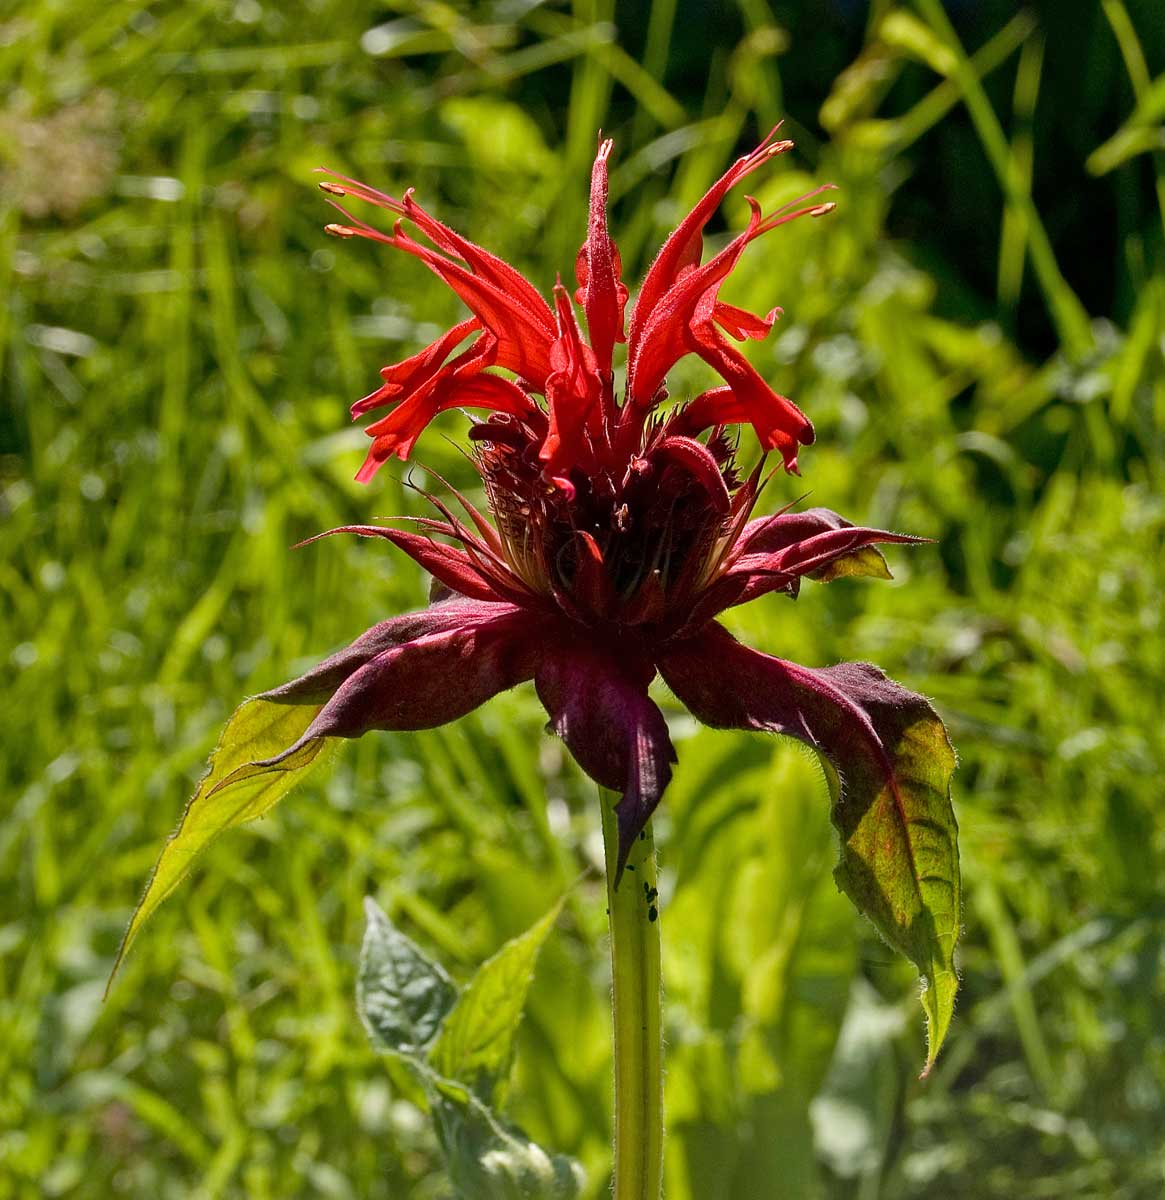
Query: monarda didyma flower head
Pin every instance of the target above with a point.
(621, 527)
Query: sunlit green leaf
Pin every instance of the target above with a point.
(233, 791)
(476, 1042)
(866, 561)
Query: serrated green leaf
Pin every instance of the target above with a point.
(234, 790)
(899, 854)
(491, 1160)
(401, 993)
(476, 1042)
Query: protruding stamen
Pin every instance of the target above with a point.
(340, 231)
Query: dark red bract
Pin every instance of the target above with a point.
(620, 528)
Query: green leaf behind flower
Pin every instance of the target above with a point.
(476, 1042)
(459, 1048)
(489, 1159)
(234, 790)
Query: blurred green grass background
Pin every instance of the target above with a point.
(977, 334)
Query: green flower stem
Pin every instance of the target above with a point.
(635, 969)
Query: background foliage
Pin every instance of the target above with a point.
(977, 335)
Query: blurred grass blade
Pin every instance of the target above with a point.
(1069, 315)
(1005, 942)
(857, 90)
(233, 791)
(1128, 142)
(1149, 93)
(1013, 238)
(904, 31)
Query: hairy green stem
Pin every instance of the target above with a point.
(635, 968)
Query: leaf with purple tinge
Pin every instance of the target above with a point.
(891, 766)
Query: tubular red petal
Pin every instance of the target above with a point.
(448, 564)
(778, 422)
(412, 373)
(741, 324)
(667, 331)
(573, 394)
(699, 461)
(717, 406)
(678, 312)
(598, 704)
(523, 338)
(397, 432)
(494, 270)
(603, 296)
(685, 245)
(489, 267)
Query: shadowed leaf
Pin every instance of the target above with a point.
(401, 993)
(489, 1159)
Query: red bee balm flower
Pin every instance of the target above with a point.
(620, 530)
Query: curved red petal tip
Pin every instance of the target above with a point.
(369, 467)
(564, 485)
